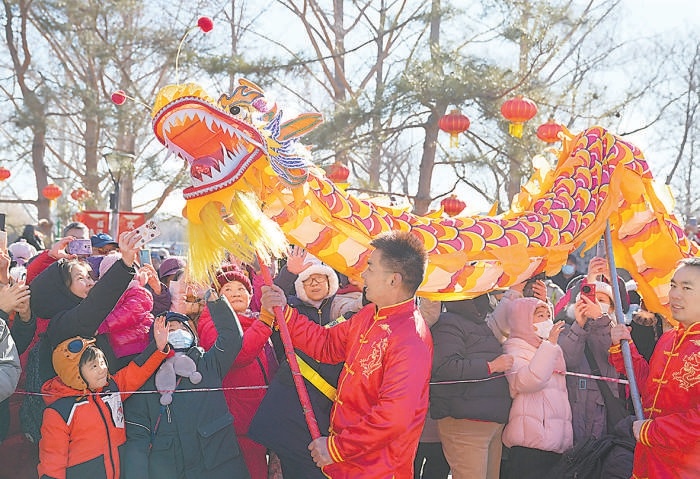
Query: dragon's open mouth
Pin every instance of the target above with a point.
(218, 147)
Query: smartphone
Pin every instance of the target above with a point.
(527, 289)
(3, 233)
(148, 231)
(81, 247)
(600, 250)
(18, 274)
(144, 256)
(588, 290)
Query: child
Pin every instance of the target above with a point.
(127, 326)
(83, 425)
(539, 425)
(192, 436)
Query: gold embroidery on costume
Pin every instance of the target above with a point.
(374, 361)
(695, 342)
(689, 375)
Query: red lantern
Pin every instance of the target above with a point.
(51, 192)
(4, 173)
(454, 123)
(549, 132)
(80, 194)
(517, 111)
(453, 205)
(338, 173)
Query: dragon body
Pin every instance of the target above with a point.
(254, 188)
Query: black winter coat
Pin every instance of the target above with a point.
(462, 345)
(279, 422)
(70, 315)
(193, 437)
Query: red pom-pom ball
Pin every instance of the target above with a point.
(118, 97)
(205, 24)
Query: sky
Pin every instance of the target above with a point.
(641, 17)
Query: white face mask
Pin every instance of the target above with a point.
(568, 269)
(543, 328)
(604, 308)
(180, 339)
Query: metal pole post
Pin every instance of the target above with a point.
(624, 344)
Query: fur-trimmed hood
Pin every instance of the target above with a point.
(316, 268)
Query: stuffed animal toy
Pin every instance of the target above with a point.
(180, 364)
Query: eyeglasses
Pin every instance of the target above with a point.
(314, 280)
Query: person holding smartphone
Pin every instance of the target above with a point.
(585, 344)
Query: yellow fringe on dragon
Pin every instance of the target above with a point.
(254, 188)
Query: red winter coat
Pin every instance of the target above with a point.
(128, 325)
(81, 435)
(382, 395)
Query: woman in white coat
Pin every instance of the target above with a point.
(539, 425)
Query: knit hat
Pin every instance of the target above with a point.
(107, 261)
(21, 251)
(231, 272)
(601, 287)
(66, 360)
(171, 265)
(316, 268)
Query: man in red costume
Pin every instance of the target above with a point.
(382, 394)
(668, 440)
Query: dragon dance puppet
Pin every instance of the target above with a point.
(254, 189)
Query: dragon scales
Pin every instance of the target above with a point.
(247, 167)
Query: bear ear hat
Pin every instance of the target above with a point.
(66, 361)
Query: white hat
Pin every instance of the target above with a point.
(316, 268)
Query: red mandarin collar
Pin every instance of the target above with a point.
(403, 307)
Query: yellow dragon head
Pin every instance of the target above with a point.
(224, 142)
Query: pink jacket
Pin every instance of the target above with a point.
(128, 325)
(540, 416)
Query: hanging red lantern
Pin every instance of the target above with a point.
(549, 132)
(80, 194)
(338, 173)
(4, 173)
(51, 192)
(454, 123)
(452, 205)
(517, 111)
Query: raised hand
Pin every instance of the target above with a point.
(58, 250)
(296, 260)
(596, 267)
(129, 246)
(555, 332)
(160, 333)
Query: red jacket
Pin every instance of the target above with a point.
(251, 369)
(669, 442)
(382, 394)
(82, 434)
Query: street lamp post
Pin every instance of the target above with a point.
(117, 164)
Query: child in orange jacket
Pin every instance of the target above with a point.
(83, 424)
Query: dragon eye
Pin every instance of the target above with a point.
(235, 110)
